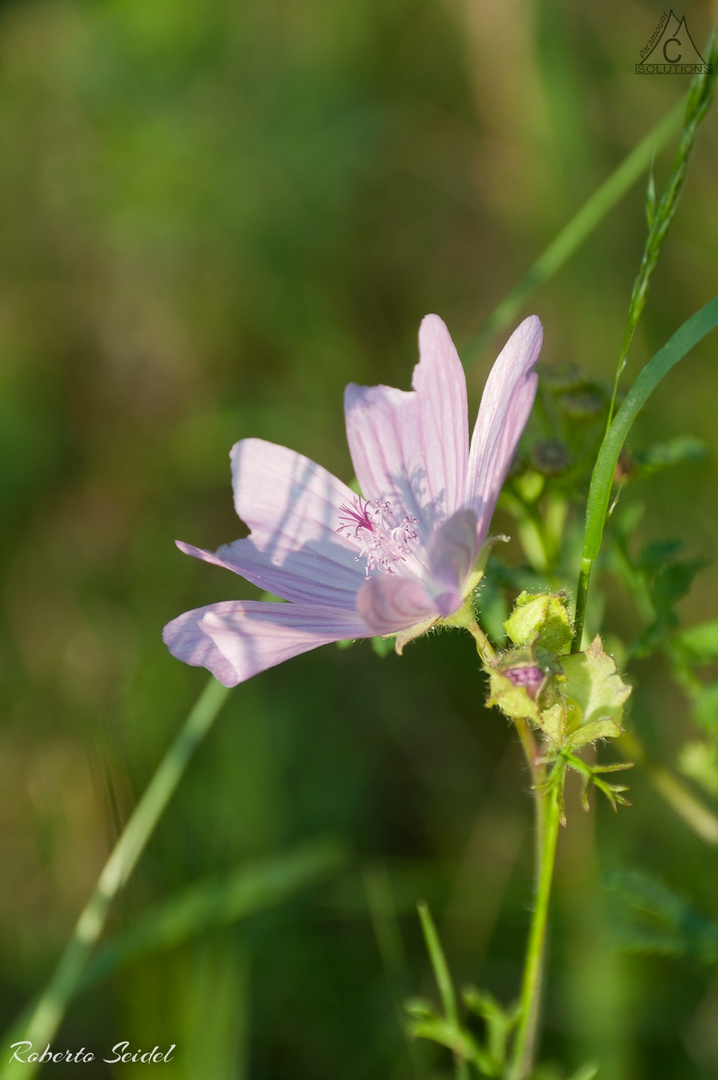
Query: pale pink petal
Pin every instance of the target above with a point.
(505, 407)
(453, 550)
(323, 572)
(389, 603)
(411, 447)
(382, 432)
(292, 507)
(440, 385)
(286, 499)
(235, 640)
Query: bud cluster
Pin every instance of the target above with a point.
(573, 699)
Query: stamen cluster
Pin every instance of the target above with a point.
(371, 525)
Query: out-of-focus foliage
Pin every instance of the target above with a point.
(213, 216)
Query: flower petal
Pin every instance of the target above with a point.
(391, 602)
(440, 385)
(292, 507)
(235, 640)
(319, 573)
(382, 426)
(505, 407)
(286, 499)
(453, 550)
(411, 447)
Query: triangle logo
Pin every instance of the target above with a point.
(671, 50)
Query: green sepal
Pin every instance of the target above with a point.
(552, 722)
(598, 729)
(594, 694)
(514, 701)
(482, 560)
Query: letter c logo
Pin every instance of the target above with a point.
(666, 57)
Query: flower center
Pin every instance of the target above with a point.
(371, 525)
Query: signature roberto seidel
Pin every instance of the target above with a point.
(120, 1052)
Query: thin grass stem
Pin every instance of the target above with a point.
(443, 980)
(698, 103)
(44, 1020)
(581, 225)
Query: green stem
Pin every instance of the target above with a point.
(443, 980)
(524, 1045)
(699, 101)
(584, 580)
(45, 1019)
(483, 646)
(538, 776)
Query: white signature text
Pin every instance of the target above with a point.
(121, 1052)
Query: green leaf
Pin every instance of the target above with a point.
(553, 722)
(651, 197)
(685, 338)
(594, 694)
(653, 918)
(656, 556)
(499, 1021)
(420, 1009)
(674, 582)
(453, 1037)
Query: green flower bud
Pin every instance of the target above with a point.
(541, 620)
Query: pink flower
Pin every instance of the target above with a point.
(396, 559)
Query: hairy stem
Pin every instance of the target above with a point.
(525, 1041)
(538, 776)
(483, 646)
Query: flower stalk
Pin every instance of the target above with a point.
(548, 811)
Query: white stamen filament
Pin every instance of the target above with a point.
(371, 525)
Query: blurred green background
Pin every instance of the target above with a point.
(212, 217)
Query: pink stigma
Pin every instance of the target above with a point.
(355, 517)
